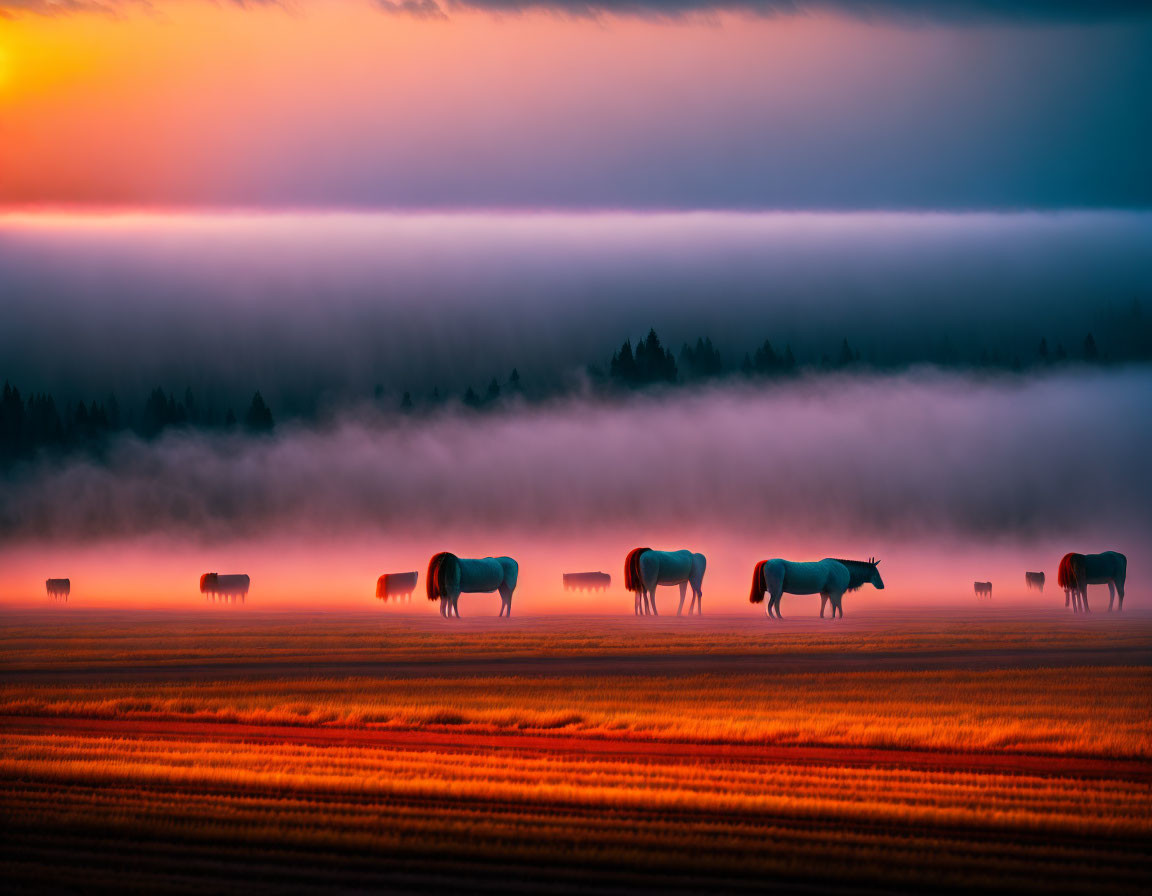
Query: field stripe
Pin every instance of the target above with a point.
(423, 740)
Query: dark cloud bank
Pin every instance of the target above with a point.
(904, 456)
(317, 310)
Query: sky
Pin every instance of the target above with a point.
(575, 104)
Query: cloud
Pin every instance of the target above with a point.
(904, 456)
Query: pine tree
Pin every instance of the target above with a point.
(258, 418)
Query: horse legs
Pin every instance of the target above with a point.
(1119, 592)
(698, 600)
(654, 610)
(444, 607)
(637, 607)
(1084, 598)
(824, 603)
(683, 591)
(1111, 595)
(505, 600)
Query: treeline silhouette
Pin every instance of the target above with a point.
(36, 424)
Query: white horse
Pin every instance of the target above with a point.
(829, 578)
(450, 576)
(1078, 571)
(645, 568)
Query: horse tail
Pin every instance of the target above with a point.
(1071, 567)
(756, 596)
(633, 581)
(439, 568)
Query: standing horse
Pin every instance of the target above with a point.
(1078, 571)
(982, 589)
(645, 568)
(1034, 581)
(450, 576)
(829, 578)
(58, 589)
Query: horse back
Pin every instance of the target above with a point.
(1106, 567)
(484, 574)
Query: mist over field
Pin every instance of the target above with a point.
(921, 454)
(318, 310)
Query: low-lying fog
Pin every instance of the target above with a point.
(946, 478)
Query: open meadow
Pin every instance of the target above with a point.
(181, 752)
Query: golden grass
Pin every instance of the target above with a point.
(30, 641)
(1096, 711)
(201, 808)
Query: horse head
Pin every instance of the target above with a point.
(875, 581)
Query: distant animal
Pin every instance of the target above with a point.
(645, 568)
(829, 578)
(1078, 571)
(450, 576)
(396, 586)
(1034, 581)
(225, 588)
(587, 581)
(982, 589)
(58, 589)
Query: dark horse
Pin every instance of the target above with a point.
(1078, 571)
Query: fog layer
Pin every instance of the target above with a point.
(897, 457)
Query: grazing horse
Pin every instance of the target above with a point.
(58, 589)
(396, 586)
(587, 581)
(1034, 581)
(982, 589)
(829, 578)
(450, 576)
(645, 568)
(213, 586)
(1078, 571)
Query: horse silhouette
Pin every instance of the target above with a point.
(224, 588)
(396, 586)
(830, 578)
(1078, 571)
(587, 581)
(982, 589)
(58, 589)
(450, 576)
(1034, 581)
(645, 568)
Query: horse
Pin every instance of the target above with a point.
(982, 589)
(645, 568)
(396, 585)
(829, 578)
(450, 576)
(1034, 581)
(1078, 571)
(58, 589)
(587, 581)
(213, 585)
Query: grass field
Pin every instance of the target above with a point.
(273, 753)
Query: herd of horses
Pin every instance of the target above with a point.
(1076, 573)
(645, 569)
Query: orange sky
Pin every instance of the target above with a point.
(198, 100)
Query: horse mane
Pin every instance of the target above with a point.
(1071, 570)
(857, 570)
(756, 595)
(632, 579)
(435, 580)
